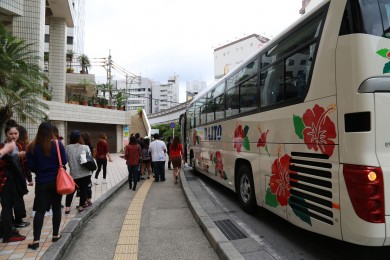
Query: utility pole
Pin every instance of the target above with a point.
(109, 67)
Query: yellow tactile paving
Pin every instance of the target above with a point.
(127, 246)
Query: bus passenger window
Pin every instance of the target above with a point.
(220, 107)
(272, 85)
(210, 110)
(203, 112)
(233, 101)
(248, 95)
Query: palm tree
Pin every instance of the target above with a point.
(106, 87)
(84, 63)
(69, 57)
(21, 80)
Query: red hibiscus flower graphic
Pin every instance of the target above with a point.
(280, 179)
(239, 136)
(218, 163)
(263, 139)
(319, 130)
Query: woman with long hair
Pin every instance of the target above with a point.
(101, 157)
(42, 159)
(176, 154)
(80, 174)
(132, 155)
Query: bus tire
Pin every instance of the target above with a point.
(245, 189)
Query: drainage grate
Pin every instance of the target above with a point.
(229, 229)
(190, 178)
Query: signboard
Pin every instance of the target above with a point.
(172, 125)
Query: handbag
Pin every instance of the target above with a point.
(89, 163)
(65, 183)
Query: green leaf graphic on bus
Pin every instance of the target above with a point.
(385, 53)
(300, 211)
(241, 138)
(317, 129)
(299, 126)
(270, 199)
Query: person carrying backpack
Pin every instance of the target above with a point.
(146, 158)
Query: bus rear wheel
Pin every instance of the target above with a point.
(245, 189)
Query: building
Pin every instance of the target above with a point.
(228, 56)
(54, 26)
(150, 95)
(307, 5)
(193, 88)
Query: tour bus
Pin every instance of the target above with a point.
(302, 127)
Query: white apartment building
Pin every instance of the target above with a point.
(150, 95)
(32, 20)
(228, 56)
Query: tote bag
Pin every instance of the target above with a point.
(88, 162)
(65, 183)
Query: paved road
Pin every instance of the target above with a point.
(168, 229)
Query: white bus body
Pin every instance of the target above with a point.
(302, 127)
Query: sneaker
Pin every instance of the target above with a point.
(21, 224)
(14, 238)
(104, 181)
(96, 181)
(49, 213)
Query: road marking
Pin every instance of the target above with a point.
(127, 246)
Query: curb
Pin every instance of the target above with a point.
(57, 249)
(222, 246)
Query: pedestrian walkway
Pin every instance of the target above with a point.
(160, 223)
(116, 174)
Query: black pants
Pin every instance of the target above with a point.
(7, 203)
(133, 175)
(46, 196)
(101, 163)
(82, 183)
(159, 170)
(19, 209)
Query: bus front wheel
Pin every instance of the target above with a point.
(245, 189)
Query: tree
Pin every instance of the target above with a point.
(106, 88)
(84, 63)
(69, 58)
(21, 80)
(166, 131)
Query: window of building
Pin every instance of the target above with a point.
(47, 38)
(69, 40)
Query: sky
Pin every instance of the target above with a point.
(159, 38)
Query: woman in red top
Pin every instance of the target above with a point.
(101, 157)
(132, 156)
(175, 154)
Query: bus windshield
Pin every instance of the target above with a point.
(371, 17)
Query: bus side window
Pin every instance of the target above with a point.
(233, 101)
(220, 107)
(272, 85)
(248, 95)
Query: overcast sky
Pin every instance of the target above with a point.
(157, 38)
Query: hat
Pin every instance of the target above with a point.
(75, 134)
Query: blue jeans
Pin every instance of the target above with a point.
(159, 170)
(133, 175)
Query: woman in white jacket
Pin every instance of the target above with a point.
(80, 174)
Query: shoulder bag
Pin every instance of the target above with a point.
(65, 183)
(89, 162)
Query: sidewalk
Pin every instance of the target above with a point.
(116, 176)
(164, 218)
